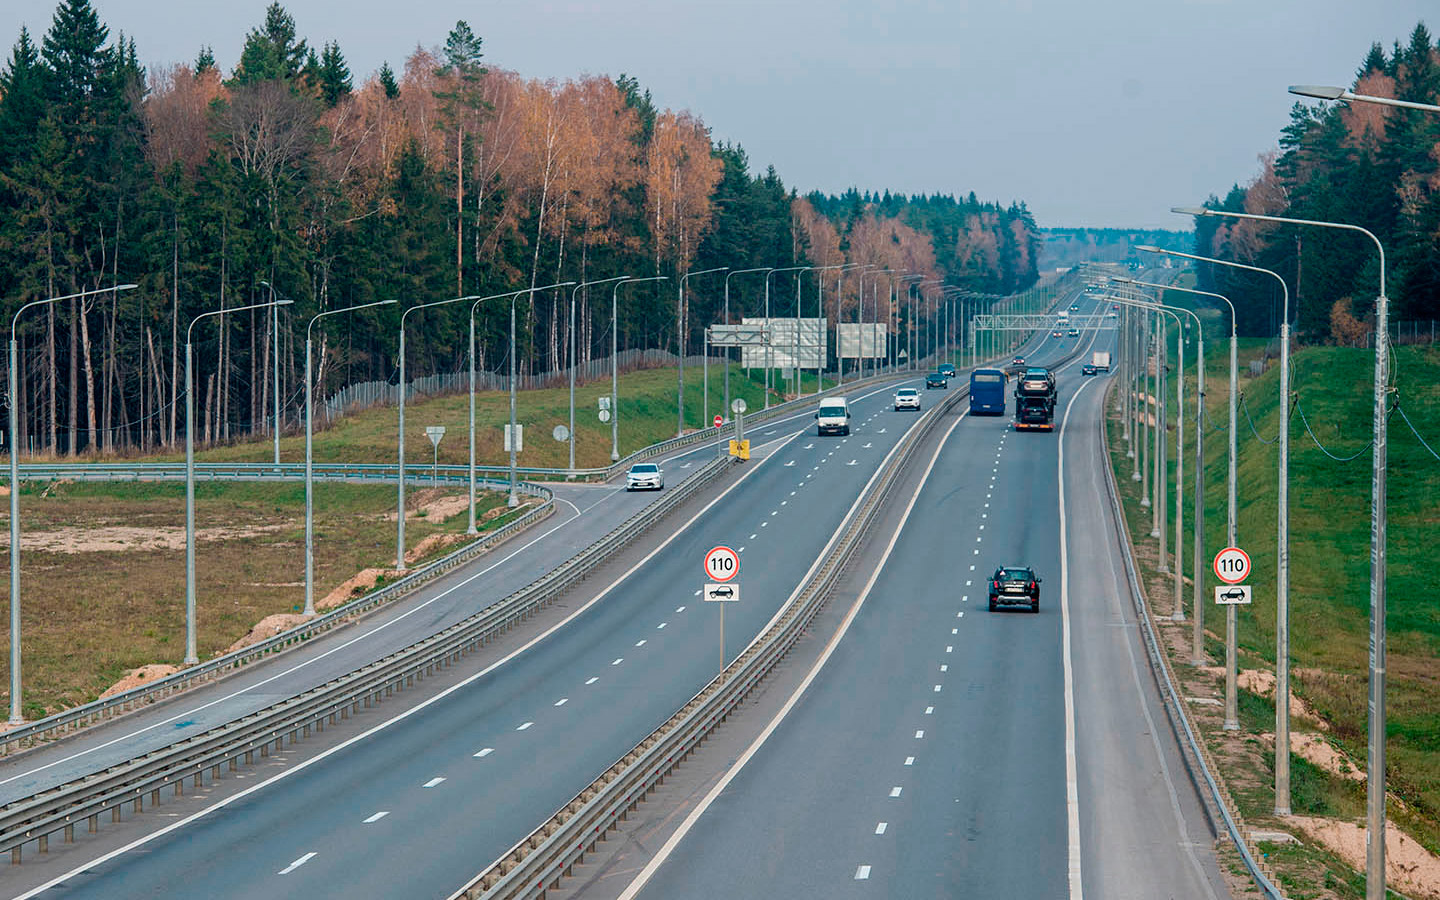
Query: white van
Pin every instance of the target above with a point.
(833, 417)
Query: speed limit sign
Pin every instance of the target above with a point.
(722, 564)
(1232, 565)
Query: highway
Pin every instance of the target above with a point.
(928, 757)
(450, 783)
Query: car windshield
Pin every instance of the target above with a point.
(832, 411)
(988, 377)
(905, 392)
(1015, 575)
(644, 469)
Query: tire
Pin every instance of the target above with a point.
(1035, 607)
(846, 431)
(992, 604)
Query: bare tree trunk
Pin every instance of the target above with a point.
(460, 211)
(223, 366)
(255, 401)
(91, 420)
(157, 393)
(72, 413)
(209, 407)
(52, 375)
(174, 329)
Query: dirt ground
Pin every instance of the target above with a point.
(1409, 868)
(116, 538)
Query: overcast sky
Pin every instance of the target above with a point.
(1100, 113)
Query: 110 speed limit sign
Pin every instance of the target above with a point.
(1232, 565)
(722, 564)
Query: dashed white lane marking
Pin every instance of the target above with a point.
(783, 503)
(434, 781)
(697, 593)
(792, 493)
(862, 873)
(909, 760)
(895, 791)
(968, 583)
(919, 734)
(640, 643)
(484, 753)
(617, 660)
(977, 540)
(949, 648)
(972, 568)
(881, 826)
(562, 701)
(944, 668)
(954, 631)
(679, 609)
(740, 549)
(524, 726)
(752, 537)
(661, 625)
(376, 817)
(982, 528)
(592, 679)
(977, 552)
(964, 598)
(937, 688)
(929, 710)
(302, 861)
(765, 524)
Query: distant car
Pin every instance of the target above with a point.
(936, 380)
(1112, 315)
(1074, 332)
(1114, 306)
(1087, 369)
(947, 370)
(1074, 307)
(1056, 333)
(645, 476)
(907, 398)
(1018, 361)
(1015, 586)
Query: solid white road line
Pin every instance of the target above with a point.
(1072, 776)
(296, 864)
(376, 817)
(648, 872)
(434, 781)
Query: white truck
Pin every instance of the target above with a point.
(1100, 359)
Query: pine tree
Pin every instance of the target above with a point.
(333, 75)
(271, 52)
(204, 60)
(387, 81)
(22, 101)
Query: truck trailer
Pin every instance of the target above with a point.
(1100, 359)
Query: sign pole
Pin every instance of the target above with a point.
(722, 642)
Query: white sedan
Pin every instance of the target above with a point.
(907, 398)
(644, 475)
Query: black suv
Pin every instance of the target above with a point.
(936, 379)
(1015, 586)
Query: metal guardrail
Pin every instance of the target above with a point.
(35, 818)
(78, 717)
(538, 862)
(1196, 755)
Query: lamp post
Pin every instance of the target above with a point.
(839, 291)
(275, 369)
(514, 500)
(1282, 539)
(12, 401)
(876, 321)
(680, 346)
(1232, 719)
(191, 655)
(728, 276)
(570, 339)
(769, 357)
(1198, 552)
(1327, 92)
(400, 508)
(1375, 759)
(309, 454)
(615, 362)
(819, 315)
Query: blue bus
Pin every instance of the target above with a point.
(987, 392)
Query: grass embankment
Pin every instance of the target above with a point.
(103, 569)
(1329, 588)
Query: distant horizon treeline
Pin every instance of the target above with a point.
(1357, 163)
(288, 179)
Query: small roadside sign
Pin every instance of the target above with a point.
(722, 563)
(722, 593)
(436, 432)
(1232, 565)
(740, 449)
(1232, 595)
(719, 420)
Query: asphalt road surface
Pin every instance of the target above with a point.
(928, 758)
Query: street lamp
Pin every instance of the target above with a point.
(680, 343)
(400, 509)
(12, 401)
(1326, 92)
(876, 322)
(769, 358)
(571, 341)
(191, 656)
(514, 499)
(1282, 528)
(819, 314)
(309, 455)
(1375, 760)
(728, 276)
(615, 362)
(839, 291)
(275, 370)
(1232, 719)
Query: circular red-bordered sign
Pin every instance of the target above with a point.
(719, 420)
(1232, 565)
(722, 564)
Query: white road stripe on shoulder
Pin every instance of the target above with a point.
(297, 864)
(434, 781)
(376, 817)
